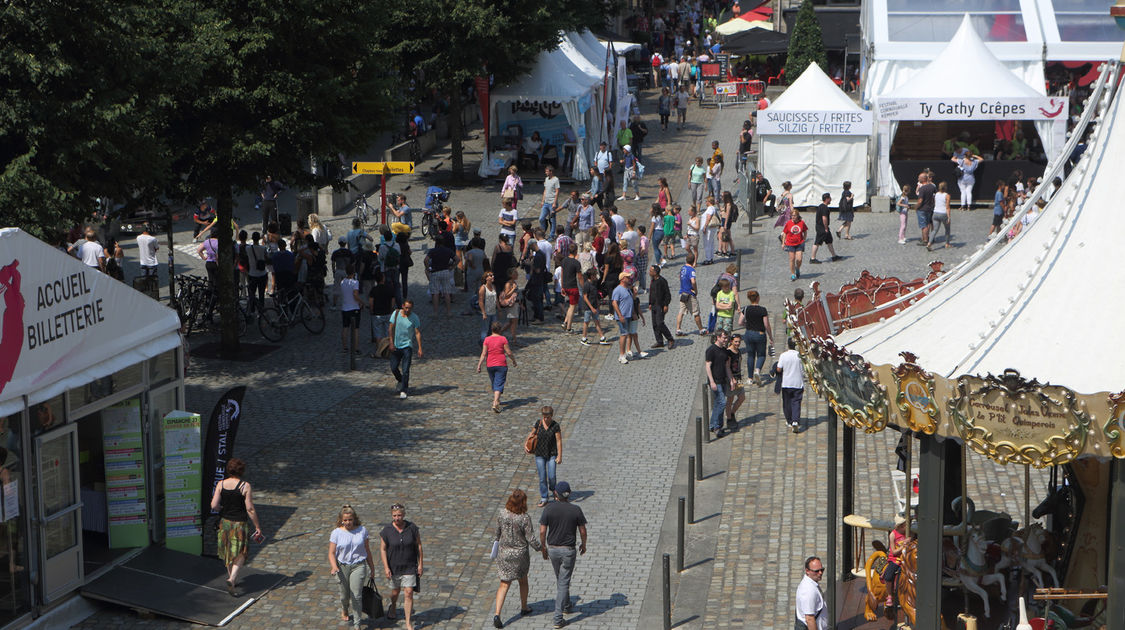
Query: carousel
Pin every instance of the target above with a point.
(999, 378)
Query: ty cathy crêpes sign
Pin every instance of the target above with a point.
(1021, 108)
(813, 123)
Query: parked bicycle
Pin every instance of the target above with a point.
(365, 212)
(290, 308)
(197, 305)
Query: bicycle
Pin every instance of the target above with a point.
(289, 309)
(364, 211)
(197, 305)
(429, 223)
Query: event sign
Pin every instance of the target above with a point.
(1023, 108)
(726, 89)
(813, 123)
(183, 523)
(125, 475)
(58, 316)
(724, 65)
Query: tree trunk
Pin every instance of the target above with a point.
(455, 134)
(224, 278)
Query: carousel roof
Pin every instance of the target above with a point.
(1045, 304)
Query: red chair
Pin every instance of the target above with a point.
(777, 79)
(754, 88)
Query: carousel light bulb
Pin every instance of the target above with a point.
(1038, 260)
(982, 335)
(992, 323)
(973, 346)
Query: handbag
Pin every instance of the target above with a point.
(640, 169)
(495, 550)
(372, 600)
(712, 319)
(509, 193)
(531, 440)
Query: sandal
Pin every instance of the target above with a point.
(542, 503)
(344, 616)
(496, 408)
(391, 613)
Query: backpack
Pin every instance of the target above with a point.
(733, 215)
(243, 259)
(391, 256)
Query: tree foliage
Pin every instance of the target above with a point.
(77, 86)
(806, 43)
(447, 43)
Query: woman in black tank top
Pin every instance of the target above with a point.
(235, 505)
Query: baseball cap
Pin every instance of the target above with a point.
(562, 489)
(627, 147)
(476, 230)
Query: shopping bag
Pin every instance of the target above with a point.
(495, 550)
(712, 319)
(372, 600)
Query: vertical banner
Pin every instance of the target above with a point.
(125, 475)
(183, 518)
(221, 431)
(481, 84)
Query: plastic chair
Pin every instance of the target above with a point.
(754, 88)
(776, 79)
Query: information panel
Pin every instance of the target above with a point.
(183, 461)
(125, 475)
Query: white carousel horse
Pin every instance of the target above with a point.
(1033, 560)
(975, 574)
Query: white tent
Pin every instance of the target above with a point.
(964, 82)
(65, 324)
(556, 84)
(816, 137)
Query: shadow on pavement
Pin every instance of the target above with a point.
(596, 607)
(433, 616)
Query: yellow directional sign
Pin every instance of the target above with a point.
(383, 168)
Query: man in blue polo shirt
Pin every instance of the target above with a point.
(688, 301)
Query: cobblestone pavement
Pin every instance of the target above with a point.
(317, 436)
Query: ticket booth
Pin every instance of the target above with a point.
(88, 367)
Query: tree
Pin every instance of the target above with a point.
(806, 43)
(446, 43)
(264, 87)
(79, 79)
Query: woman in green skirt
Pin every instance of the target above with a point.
(235, 504)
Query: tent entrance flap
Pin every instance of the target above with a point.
(181, 586)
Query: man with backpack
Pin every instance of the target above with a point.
(341, 258)
(390, 257)
(640, 130)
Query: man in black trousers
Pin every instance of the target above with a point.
(659, 297)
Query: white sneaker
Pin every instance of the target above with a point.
(902, 241)
(636, 197)
(644, 355)
(402, 395)
(622, 360)
(621, 198)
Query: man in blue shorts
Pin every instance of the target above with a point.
(626, 313)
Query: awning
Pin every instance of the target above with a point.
(65, 324)
(756, 42)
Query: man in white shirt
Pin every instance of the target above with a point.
(146, 248)
(811, 611)
(603, 158)
(792, 384)
(618, 222)
(550, 201)
(90, 251)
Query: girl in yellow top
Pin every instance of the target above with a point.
(726, 305)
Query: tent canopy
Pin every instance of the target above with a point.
(814, 164)
(746, 21)
(549, 80)
(814, 91)
(756, 41)
(1028, 302)
(65, 324)
(965, 68)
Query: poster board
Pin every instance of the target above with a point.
(183, 463)
(125, 475)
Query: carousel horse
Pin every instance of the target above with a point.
(904, 583)
(973, 570)
(1025, 549)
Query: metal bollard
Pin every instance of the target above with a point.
(351, 346)
(680, 535)
(667, 581)
(691, 490)
(699, 434)
(707, 406)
